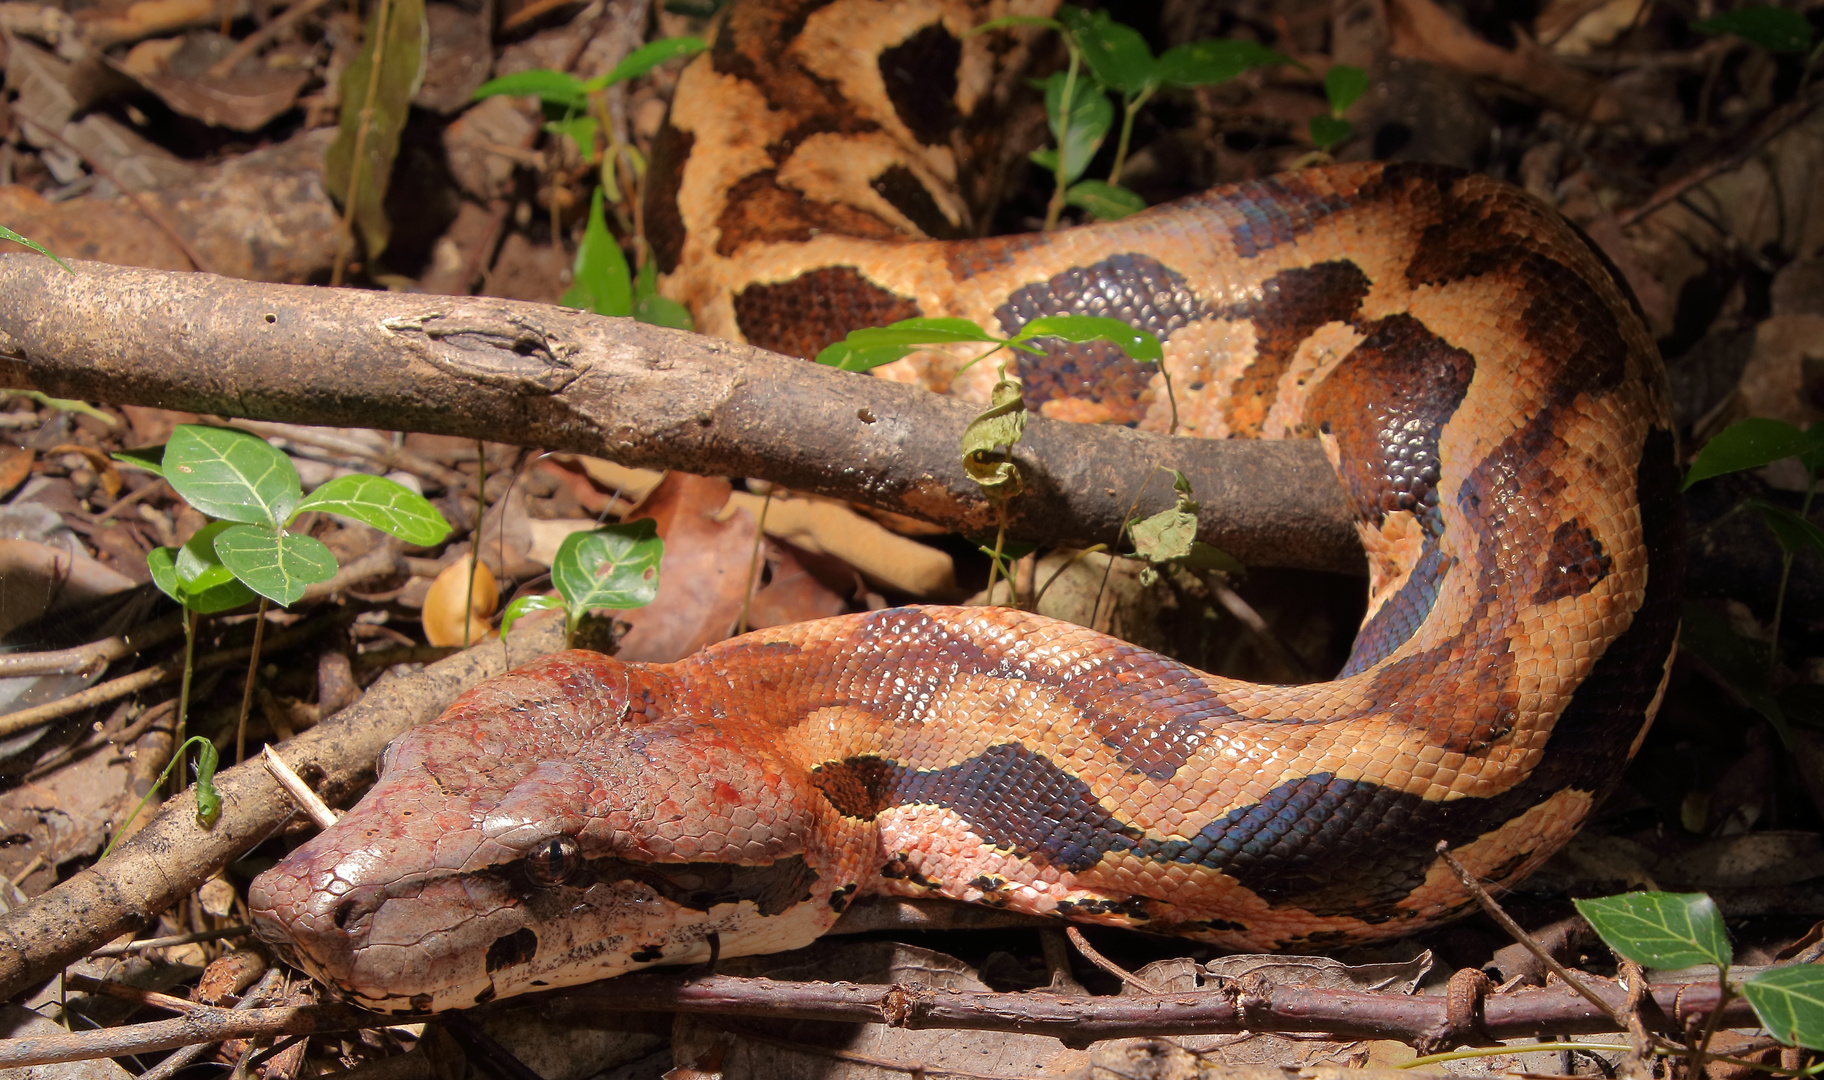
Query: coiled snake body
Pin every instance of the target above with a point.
(1479, 379)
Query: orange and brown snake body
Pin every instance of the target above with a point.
(1480, 380)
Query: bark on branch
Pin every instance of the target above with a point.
(640, 395)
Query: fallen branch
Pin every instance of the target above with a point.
(637, 394)
(1234, 1005)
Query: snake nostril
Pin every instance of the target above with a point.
(355, 907)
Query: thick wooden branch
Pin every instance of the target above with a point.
(640, 395)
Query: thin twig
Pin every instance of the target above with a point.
(86, 658)
(1514, 930)
(253, 671)
(363, 120)
(146, 211)
(314, 808)
(1093, 956)
(268, 985)
(115, 689)
(253, 42)
(128, 947)
(1775, 124)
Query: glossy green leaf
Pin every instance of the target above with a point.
(615, 566)
(1327, 131)
(1090, 116)
(1170, 533)
(602, 283)
(647, 57)
(1216, 60)
(399, 45)
(231, 474)
(385, 504)
(1736, 660)
(1793, 532)
(989, 439)
(1343, 85)
(226, 596)
(551, 87)
(1137, 344)
(8, 234)
(198, 566)
(1750, 444)
(277, 565)
(1659, 929)
(1790, 1003)
(526, 605)
(1115, 53)
(1105, 201)
(149, 458)
(1774, 29)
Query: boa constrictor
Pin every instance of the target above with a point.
(1476, 373)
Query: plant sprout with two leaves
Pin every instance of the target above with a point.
(1110, 57)
(254, 492)
(614, 567)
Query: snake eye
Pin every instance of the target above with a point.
(554, 861)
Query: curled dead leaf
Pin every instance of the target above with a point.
(445, 606)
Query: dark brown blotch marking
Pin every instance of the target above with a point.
(1292, 304)
(1574, 563)
(1387, 404)
(920, 77)
(760, 210)
(839, 898)
(801, 316)
(664, 221)
(646, 954)
(1262, 214)
(857, 787)
(902, 188)
(511, 950)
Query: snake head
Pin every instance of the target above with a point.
(556, 826)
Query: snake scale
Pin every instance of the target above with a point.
(1475, 371)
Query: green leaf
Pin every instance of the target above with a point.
(1016, 20)
(1736, 660)
(1659, 929)
(197, 564)
(1774, 29)
(990, 438)
(579, 129)
(1116, 54)
(651, 308)
(602, 283)
(846, 357)
(647, 57)
(205, 601)
(1091, 114)
(231, 474)
(551, 87)
(1750, 444)
(526, 605)
(277, 565)
(1216, 60)
(1793, 532)
(937, 331)
(1343, 84)
(1137, 344)
(400, 44)
(1169, 534)
(1105, 201)
(65, 405)
(149, 458)
(1327, 131)
(385, 504)
(1790, 1003)
(8, 234)
(615, 566)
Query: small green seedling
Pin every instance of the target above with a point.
(615, 567)
(1751, 444)
(1778, 30)
(1343, 85)
(1107, 56)
(208, 799)
(577, 109)
(254, 493)
(8, 234)
(1669, 931)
